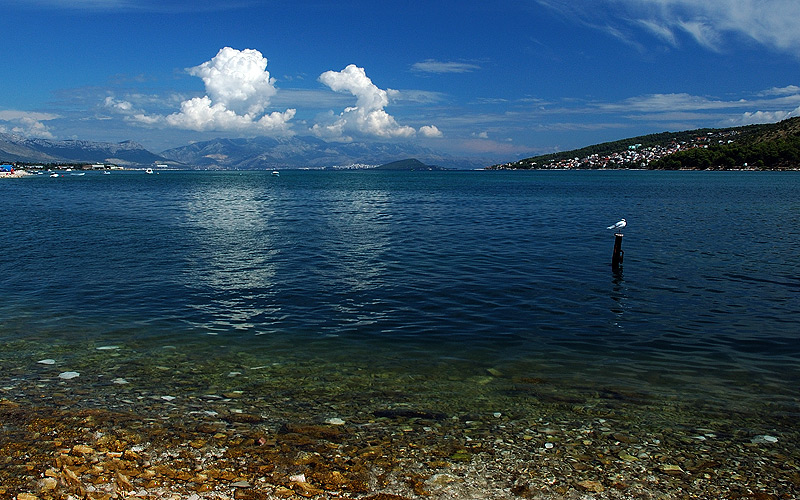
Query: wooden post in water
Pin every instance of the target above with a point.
(616, 259)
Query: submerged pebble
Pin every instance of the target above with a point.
(68, 375)
(47, 361)
(764, 439)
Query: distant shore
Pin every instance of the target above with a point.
(16, 174)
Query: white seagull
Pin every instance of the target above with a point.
(619, 225)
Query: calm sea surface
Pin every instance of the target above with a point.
(205, 281)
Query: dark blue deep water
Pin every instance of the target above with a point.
(447, 275)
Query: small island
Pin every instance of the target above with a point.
(410, 164)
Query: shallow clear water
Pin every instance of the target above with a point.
(446, 276)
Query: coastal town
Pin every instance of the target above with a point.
(634, 156)
(18, 170)
(7, 171)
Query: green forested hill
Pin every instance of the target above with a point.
(767, 146)
(771, 147)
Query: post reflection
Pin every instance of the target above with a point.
(618, 296)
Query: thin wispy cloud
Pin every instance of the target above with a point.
(660, 31)
(768, 22)
(789, 90)
(767, 106)
(664, 111)
(419, 97)
(703, 33)
(440, 67)
(11, 115)
(711, 23)
(662, 102)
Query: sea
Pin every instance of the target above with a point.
(319, 294)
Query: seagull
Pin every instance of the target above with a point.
(619, 225)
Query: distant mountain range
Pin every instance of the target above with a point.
(768, 146)
(14, 148)
(257, 153)
(297, 152)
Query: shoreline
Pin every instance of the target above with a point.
(18, 174)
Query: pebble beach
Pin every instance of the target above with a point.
(388, 436)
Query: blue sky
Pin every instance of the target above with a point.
(498, 79)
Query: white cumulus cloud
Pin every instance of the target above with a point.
(238, 93)
(202, 114)
(430, 131)
(118, 105)
(367, 117)
(239, 89)
(26, 123)
(237, 80)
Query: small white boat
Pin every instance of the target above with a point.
(106, 173)
(149, 171)
(276, 173)
(53, 175)
(82, 173)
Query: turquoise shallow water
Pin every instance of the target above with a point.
(444, 283)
